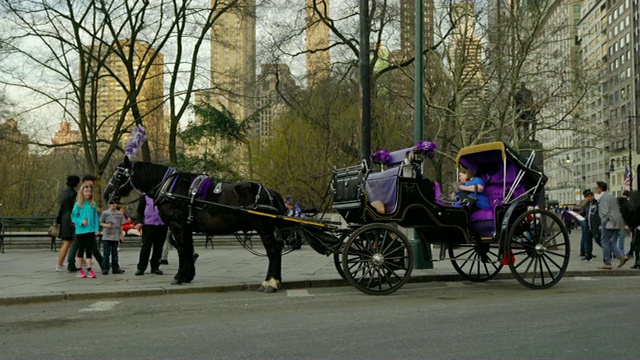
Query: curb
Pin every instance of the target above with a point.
(299, 284)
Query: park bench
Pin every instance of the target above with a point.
(26, 227)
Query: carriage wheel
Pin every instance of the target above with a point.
(337, 256)
(538, 244)
(475, 262)
(377, 259)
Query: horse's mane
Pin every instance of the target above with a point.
(149, 173)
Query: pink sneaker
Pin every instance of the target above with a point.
(92, 274)
(81, 274)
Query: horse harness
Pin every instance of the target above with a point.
(197, 193)
(128, 174)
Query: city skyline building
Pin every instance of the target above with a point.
(408, 26)
(64, 138)
(273, 78)
(233, 59)
(111, 99)
(558, 54)
(317, 40)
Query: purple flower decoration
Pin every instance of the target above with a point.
(426, 148)
(136, 139)
(380, 157)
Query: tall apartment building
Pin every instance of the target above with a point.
(233, 59)
(621, 89)
(268, 101)
(407, 26)
(607, 38)
(111, 98)
(589, 162)
(12, 139)
(318, 63)
(465, 58)
(555, 79)
(64, 138)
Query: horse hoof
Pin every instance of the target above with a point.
(176, 282)
(270, 290)
(261, 288)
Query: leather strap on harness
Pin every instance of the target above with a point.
(193, 191)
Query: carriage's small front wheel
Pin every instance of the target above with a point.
(537, 249)
(475, 262)
(377, 259)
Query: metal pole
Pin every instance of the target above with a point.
(631, 130)
(418, 74)
(630, 166)
(421, 251)
(365, 81)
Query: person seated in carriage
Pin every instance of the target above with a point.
(293, 208)
(471, 187)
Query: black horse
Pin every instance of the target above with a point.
(185, 213)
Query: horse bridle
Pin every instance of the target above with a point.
(117, 174)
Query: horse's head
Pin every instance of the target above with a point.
(120, 183)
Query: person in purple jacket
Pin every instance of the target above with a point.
(154, 232)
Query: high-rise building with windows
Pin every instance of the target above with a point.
(233, 59)
(273, 79)
(407, 26)
(111, 99)
(64, 139)
(317, 39)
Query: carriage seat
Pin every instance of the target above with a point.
(383, 187)
(484, 220)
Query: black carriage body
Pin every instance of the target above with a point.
(413, 201)
(377, 257)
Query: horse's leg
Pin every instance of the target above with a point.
(189, 264)
(274, 272)
(179, 278)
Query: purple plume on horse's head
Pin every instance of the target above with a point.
(136, 139)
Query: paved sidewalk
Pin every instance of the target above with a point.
(28, 275)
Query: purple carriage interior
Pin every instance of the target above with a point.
(508, 178)
(364, 195)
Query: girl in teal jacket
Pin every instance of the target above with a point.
(86, 221)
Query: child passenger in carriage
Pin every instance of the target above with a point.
(471, 186)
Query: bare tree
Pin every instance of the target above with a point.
(112, 57)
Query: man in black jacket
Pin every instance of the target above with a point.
(590, 212)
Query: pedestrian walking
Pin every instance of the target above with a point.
(67, 200)
(611, 222)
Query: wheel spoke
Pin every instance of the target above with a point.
(377, 259)
(543, 259)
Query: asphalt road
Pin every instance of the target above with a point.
(581, 318)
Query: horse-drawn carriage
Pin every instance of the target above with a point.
(372, 253)
(514, 232)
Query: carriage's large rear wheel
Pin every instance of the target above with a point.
(475, 262)
(537, 249)
(377, 259)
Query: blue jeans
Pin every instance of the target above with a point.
(110, 251)
(584, 237)
(618, 239)
(609, 246)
